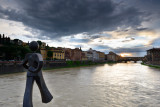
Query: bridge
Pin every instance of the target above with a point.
(135, 59)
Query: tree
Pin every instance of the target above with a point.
(40, 43)
(50, 54)
(47, 47)
(24, 51)
(14, 51)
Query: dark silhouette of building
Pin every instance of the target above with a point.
(4, 40)
(152, 57)
(18, 42)
(112, 56)
(0, 39)
(153, 54)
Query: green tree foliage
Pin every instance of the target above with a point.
(11, 52)
(70, 63)
(77, 63)
(55, 58)
(40, 43)
(47, 47)
(50, 54)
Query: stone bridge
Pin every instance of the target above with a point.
(135, 59)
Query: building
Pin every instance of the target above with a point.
(44, 53)
(43, 45)
(67, 53)
(101, 56)
(76, 54)
(73, 54)
(112, 56)
(153, 56)
(24, 44)
(95, 54)
(18, 42)
(90, 56)
(58, 53)
(84, 56)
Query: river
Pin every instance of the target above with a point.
(106, 85)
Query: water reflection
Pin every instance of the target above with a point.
(118, 85)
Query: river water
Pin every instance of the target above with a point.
(114, 85)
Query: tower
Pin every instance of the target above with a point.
(8, 40)
(0, 39)
(3, 39)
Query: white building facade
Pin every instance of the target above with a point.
(95, 54)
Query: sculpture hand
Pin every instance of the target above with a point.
(25, 61)
(31, 69)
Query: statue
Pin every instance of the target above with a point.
(33, 62)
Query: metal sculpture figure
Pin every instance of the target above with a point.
(34, 62)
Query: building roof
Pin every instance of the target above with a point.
(154, 49)
(112, 53)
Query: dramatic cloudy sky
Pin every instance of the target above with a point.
(122, 26)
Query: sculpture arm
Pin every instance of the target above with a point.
(25, 61)
(39, 60)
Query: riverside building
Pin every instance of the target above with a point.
(153, 56)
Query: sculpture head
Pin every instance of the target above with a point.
(34, 46)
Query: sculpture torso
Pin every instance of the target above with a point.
(32, 61)
(35, 63)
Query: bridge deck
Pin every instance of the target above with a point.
(131, 58)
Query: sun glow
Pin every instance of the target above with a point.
(125, 54)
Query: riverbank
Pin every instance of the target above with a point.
(16, 68)
(153, 66)
(73, 65)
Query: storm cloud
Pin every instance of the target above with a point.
(59, 18)
(104, 25)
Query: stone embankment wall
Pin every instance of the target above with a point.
(53, 64)
(153, 62)
(11, 67)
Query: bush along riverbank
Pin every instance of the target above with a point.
(71, 64)
(153, 66)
